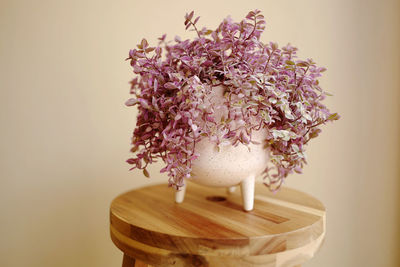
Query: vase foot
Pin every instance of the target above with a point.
(180, 194)
(247, 188)
(231, 189)
(247, 191)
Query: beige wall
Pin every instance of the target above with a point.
(65, 132)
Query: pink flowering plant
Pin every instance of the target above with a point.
(262, 81)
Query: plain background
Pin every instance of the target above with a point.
(65, 132)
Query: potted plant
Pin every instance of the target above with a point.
(224, 107)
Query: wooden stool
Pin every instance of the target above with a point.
(210, 227)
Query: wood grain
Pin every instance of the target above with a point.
(210, 228)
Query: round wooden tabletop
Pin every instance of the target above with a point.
(210, 227)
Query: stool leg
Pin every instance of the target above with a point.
(131, 262)
(141, 264)
(128, 261)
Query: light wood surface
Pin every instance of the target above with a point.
(210, 228)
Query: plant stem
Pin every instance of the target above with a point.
(254, 28)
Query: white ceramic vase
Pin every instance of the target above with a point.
(231, 165)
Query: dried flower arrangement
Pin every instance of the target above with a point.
(261, 81)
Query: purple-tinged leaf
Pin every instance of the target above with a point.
(190, 16)
(131, 161)
(170, 85)
(131, 102)
(150, 49)
(144, 43)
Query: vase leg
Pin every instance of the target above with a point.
(180, 194)
(247, 188)
(231, 189)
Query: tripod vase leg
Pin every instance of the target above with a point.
(247, 188)
(180, 194)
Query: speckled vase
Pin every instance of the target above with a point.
(231, 165)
